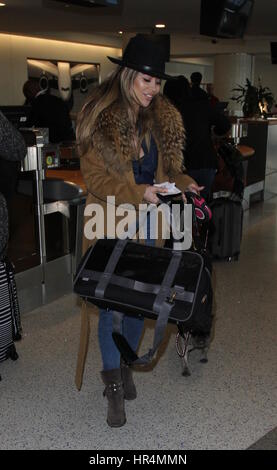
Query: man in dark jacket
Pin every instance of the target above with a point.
(202, 122)
(197, 92)
(48, 111)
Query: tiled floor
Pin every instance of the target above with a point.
(228, 403)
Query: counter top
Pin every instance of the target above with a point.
(73, 176)
(270, 121)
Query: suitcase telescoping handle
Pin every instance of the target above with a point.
(162, 306)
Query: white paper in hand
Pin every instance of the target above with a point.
(171, 188)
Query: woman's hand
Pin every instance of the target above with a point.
(150, 194)
(194, 188)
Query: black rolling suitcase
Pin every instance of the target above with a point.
(226, 228)
(140, 280)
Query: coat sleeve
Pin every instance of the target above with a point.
(12, 145)
(182, 181)
(102, 182)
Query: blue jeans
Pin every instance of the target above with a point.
(131, 328)
(204, 177)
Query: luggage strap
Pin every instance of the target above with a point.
(161, 306)
(144, 287)
(111, 265)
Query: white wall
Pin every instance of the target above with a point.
(230, 71)
(14, 51)
(185, 68)
(184, 46)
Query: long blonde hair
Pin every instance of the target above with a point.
(118, 86)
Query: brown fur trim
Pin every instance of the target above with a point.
(113, 136)
(168, 132)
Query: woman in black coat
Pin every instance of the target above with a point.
(12, 151)
(202, 122)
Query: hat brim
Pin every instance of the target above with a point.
(141, 68)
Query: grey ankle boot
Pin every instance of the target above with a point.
(115, 395)
(130, 392)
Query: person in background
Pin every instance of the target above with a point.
(211, 97)
(129, 137)
(202, 123)
(12, 151)
(48, 111)
(12, 145)
(197, 92)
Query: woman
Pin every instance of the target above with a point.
(129, 137)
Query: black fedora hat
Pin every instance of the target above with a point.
(145, 55)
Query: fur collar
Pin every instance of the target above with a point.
(113, 136)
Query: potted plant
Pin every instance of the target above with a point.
(256, 101)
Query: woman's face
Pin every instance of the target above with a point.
(145, 88)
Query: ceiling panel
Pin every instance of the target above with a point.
(48, 18)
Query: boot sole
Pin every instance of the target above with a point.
(116, 425)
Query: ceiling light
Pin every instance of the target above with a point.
(160, 25)
(2, 4)
(120, 32)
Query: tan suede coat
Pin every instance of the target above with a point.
(107, 167)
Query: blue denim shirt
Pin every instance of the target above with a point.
(145, 167)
